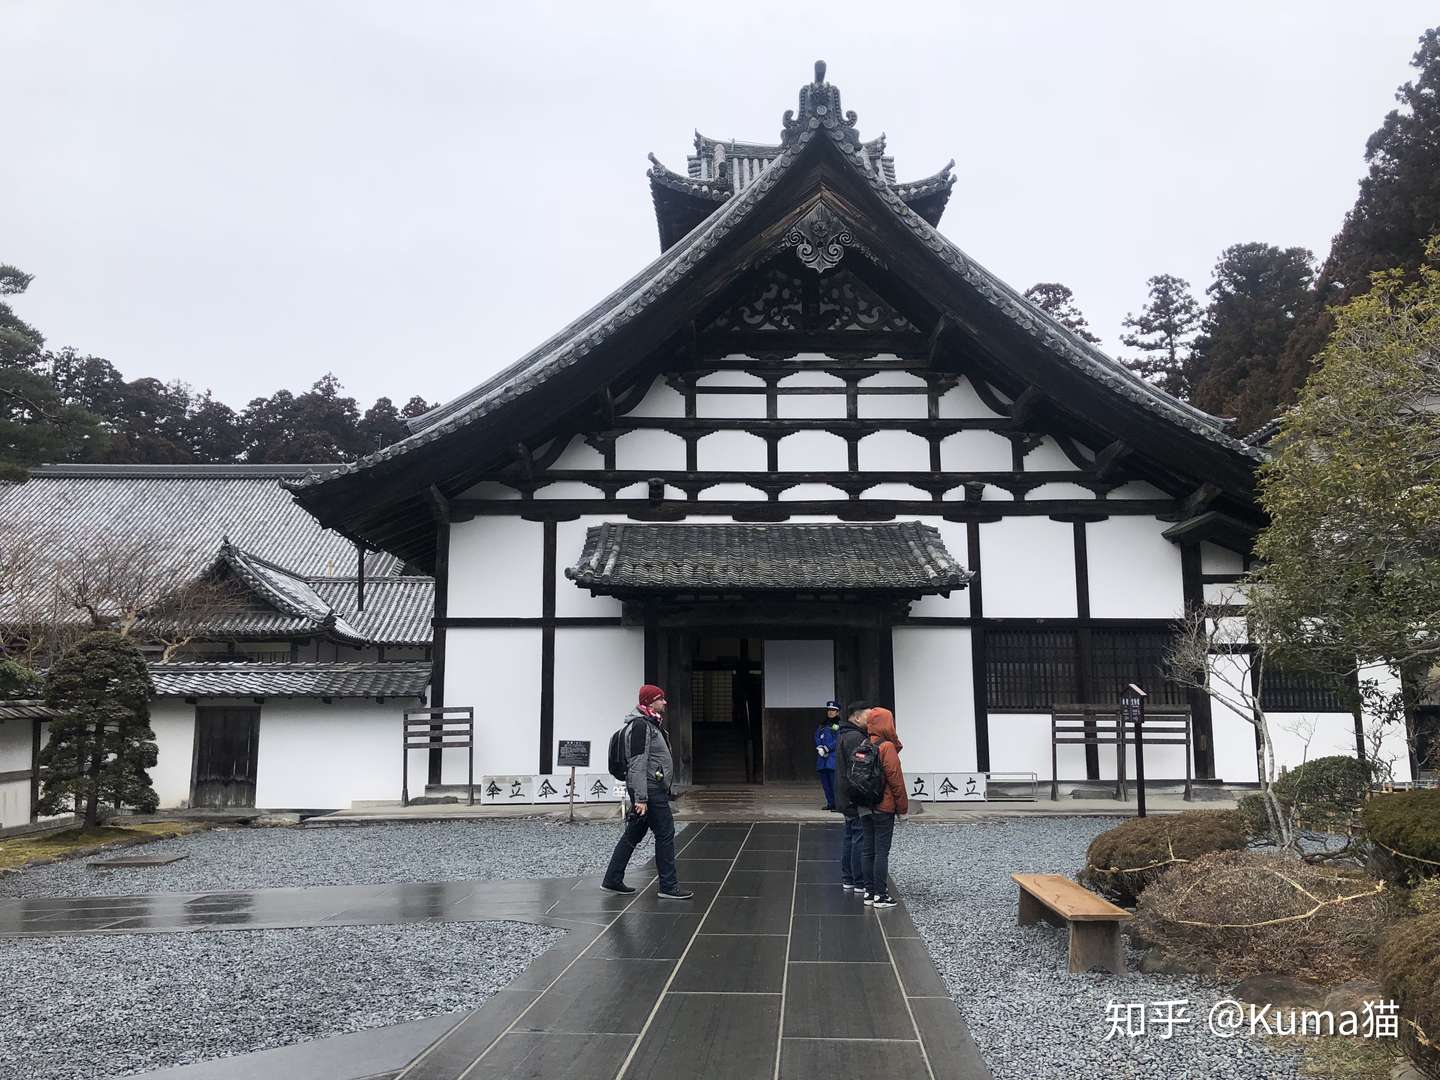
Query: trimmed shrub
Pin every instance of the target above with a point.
(1403, 828)
(1410, 974)
(1326, 789)
(1247, 913)
(1121, 862)
(1425, 897)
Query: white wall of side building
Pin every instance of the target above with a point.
(173, 722)
(16, 747)
(497, 670)
(934, 697)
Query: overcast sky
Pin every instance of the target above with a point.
(412, 194)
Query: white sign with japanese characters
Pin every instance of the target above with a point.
(921, 787)
(548, 788)
(959, 787)
(505, 790)
(601, 787)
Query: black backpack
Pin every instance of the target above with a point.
(864, 777)
(619, 756)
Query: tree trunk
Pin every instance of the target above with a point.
(92, 793)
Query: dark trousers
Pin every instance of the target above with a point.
(659, 820)
(852, 870)
(827, 781)
(879, 830)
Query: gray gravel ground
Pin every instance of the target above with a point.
(82, 1008)
(256, 858)
(1031, 1019)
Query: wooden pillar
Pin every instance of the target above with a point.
(547, 648)
(1199, 701)
(1084, 654)
(978, 672)
(35, 770)
(677, 650)
(440, 508)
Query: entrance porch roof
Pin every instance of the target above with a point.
(891, 559)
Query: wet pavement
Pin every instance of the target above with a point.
(771, 971)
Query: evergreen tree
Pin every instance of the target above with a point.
(212, 431)
(101, 745)
(36, 424)
(1163, 332)
(1059, 301)
(1396, 211)
(1235, 367)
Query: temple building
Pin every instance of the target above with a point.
(812, 451)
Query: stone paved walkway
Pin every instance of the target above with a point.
(771, 971)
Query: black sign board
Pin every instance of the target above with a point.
(1132, 714)
(574, 752)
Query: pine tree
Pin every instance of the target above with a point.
(1235, 366)
(101, 746)
(1396, 211)
(1059, 301)
(1164, 332)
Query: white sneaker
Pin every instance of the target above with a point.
(869, 899)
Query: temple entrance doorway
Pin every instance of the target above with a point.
(754, 704)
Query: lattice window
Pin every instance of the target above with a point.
(1301, 691)
(712, 696)
(1031, 669)
(1120, 655)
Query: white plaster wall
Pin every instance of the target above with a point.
(1234, 736)
(1394, 744)
(568, 489)
(975, 451)
(892, 406)
(661, 451)
(744, 406)
(1048, 457)
(813, 451)
(173, 722)
(1136, 489)
(731, 378)
(571, 601)
(15, 749)
(907, 492)
(958, 602)
(813, 378)
(495, 567)
(579, 454)
(799, 674)
(661, 399)
(726, 492)
(893, 379)
(1301, 737)
(894, 451)
(598, 672)
(15, 744)
(1059, 490)
(1027, 568)
(1215, 559)
(812, 493)
(1134, 570)
(492, 490)
(961, 402)
(811, 406)
(934, 698)
(497, 670)
(1020, 742)
(318, 756)
(730, 451)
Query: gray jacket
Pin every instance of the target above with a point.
(648, 752)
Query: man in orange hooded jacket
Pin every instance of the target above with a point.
(878, 822)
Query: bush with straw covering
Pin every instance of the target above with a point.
(1246, 913)
(1403, 829)
(1410, 975)
(1123, 861)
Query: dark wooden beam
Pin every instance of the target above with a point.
(1022, 409)
(1109, 458)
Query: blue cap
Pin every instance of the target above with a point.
(833, 705)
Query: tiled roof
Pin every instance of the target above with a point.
(286, 593)
(367, 679)
(901, 557)
(184, 512)
(675, 265)
(397, 609)
(26, 709)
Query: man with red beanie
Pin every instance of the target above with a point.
(650, 767)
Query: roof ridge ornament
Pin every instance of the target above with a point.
(819, 108)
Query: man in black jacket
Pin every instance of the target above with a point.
(852, 733)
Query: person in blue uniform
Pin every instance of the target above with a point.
(825, 738)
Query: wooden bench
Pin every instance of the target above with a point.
(1094, 922)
